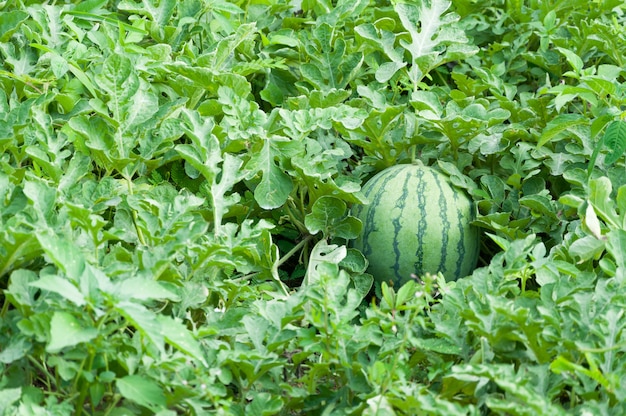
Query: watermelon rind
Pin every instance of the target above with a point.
(416, 222)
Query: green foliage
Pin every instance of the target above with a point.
(175, 187)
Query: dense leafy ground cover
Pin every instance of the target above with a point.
(175, 183)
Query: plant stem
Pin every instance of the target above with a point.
(140, 236)
(85, 386)
(39, 364)
(294, 250)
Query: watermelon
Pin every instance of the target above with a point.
(416, 222)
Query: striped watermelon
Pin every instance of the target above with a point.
(415, 223)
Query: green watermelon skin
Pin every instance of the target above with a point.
(416, 223)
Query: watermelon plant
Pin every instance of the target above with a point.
(184, 218)
(416, 223)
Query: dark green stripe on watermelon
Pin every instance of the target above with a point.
(421, 221)
(443, 204)
(415, 223)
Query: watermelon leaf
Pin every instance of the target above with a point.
(384, 40)
(616, 245)
(141, 390)
(328, 215)
(615, 141)
(67, 331)
(323, 257)
(573, 60)
(177, 334)
(275, 185)
(264, 404)
(600, 190)
(333, 64)
(560, 125)
(436, 37)
(10, 22)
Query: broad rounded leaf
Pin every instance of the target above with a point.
(326, 210)
(142, 391)
(66, 331)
